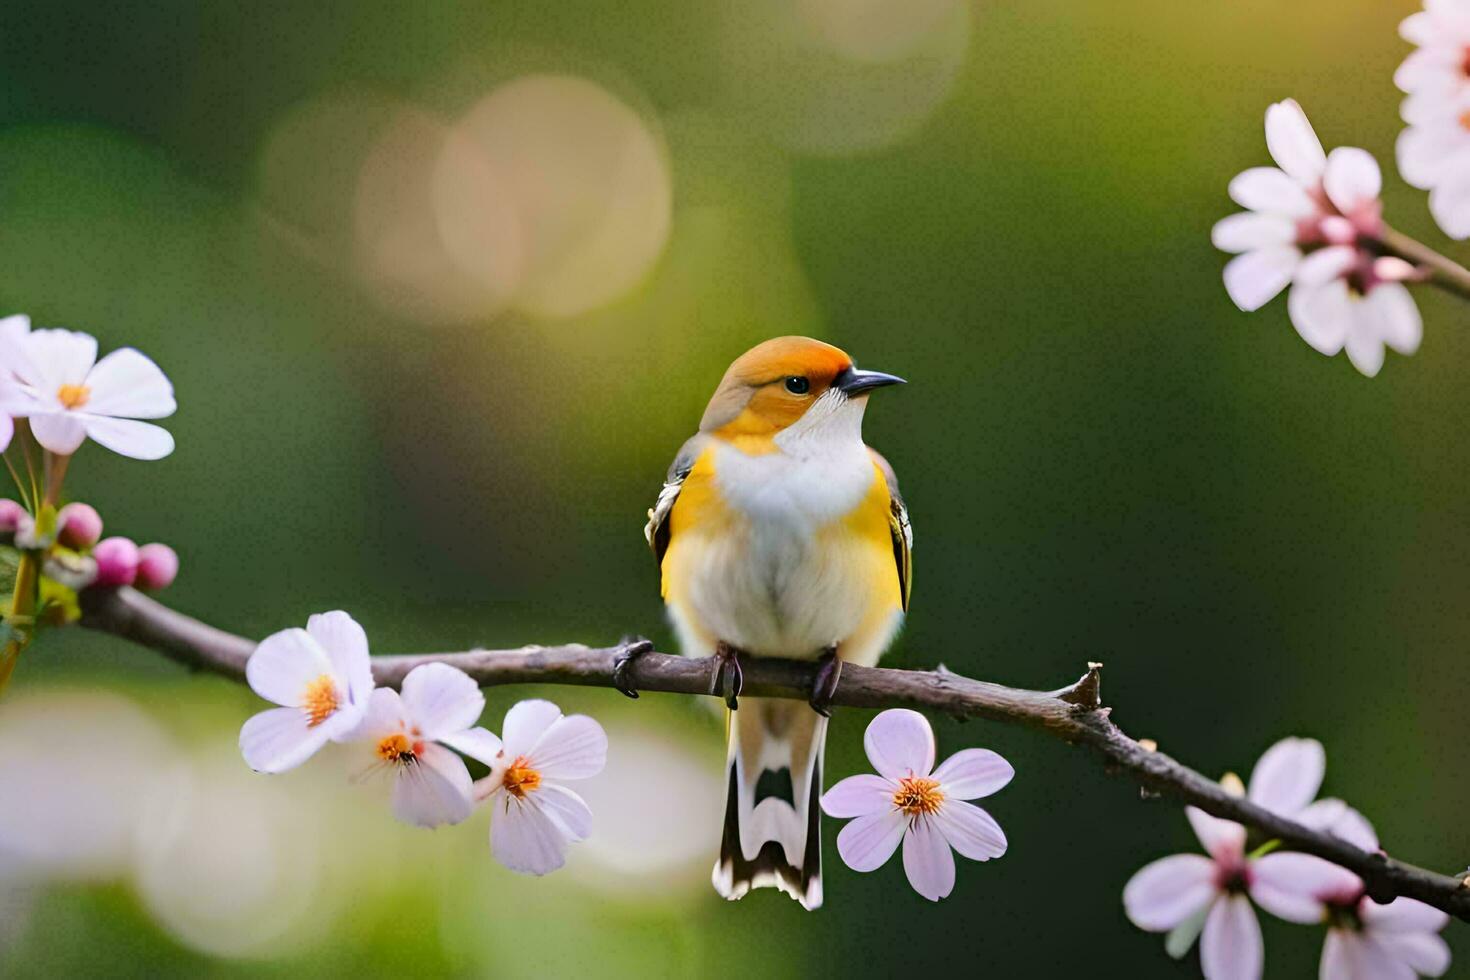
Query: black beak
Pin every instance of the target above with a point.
(853, 382)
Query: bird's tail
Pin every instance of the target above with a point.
(773, 835)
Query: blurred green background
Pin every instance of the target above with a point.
(438, 318)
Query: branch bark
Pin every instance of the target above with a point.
(1074, 713)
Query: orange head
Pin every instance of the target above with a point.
(772, 385)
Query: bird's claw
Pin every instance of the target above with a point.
(633, 647)
(728, 679)
(824, 684)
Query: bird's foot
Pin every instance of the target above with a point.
(633, 647)
(824, 684)
(728, 679)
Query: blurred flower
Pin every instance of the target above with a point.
(320, 675)
(74, 396)
(911, 801)
(158, 566)
(1400, 939)
(80, 769)
(1307, 225)
(13, 401)
(408, 734)
(78, 526)
(117, 562)
(534, 817)
(1441, 65)
(1434, 155)
(1183, 893)
(1434, 151)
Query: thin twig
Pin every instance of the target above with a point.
(1074, 713)
(1444, 272)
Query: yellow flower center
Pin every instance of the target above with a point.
(319, 700)
(395, 749)
(918, 796)
(1465, 119)
(520, 778)
(73, 396)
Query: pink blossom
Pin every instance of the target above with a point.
(912, 802)
(1183, 891)
(1309, 224)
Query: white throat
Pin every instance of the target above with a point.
(831, 426)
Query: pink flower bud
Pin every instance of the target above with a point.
(12, 516)
(1390, 268)
(117, 562)
(158, 564)
(78, 526)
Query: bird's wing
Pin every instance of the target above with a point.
(657, 528)
(899, 528)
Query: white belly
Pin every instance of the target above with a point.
(773, 584)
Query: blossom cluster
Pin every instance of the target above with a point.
(1210, 897)
(1314, 222)
(321, 677)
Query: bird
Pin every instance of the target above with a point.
(780, 533)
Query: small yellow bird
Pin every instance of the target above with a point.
(779, 533)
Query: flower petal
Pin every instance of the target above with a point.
(1292, 142)
(1424, 952)
(284, 663)
(434, 790)
(1296, 887)
(126, 437)
(1249, 230)
(1402, 915)
(1221, 838)
(868, 842)
(928, 861)
(970, 830)
(568, 809)
(1365, 341)
(55, 358)
(1166, 892)
(60, 432)
(525, 723)
(1325, 265)
(970, 774)
(1254, 279)
(1342, 821)
(900, 743)
(1287, 776)
(1360, 956)
(346, 646)
(1352, 178)
(477, 743)
(1426, 153)
(525, 838)
(1272, 191)
(127, 384)
(7, 431)
(858, 796)
(1231, 947)
(574, 747)
(1322, 315)
(279, 739)
(384, 716)
(442, 699)
(1450, 205)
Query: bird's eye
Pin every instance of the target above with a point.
(798, 385)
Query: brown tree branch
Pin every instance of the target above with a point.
(1074, 713)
